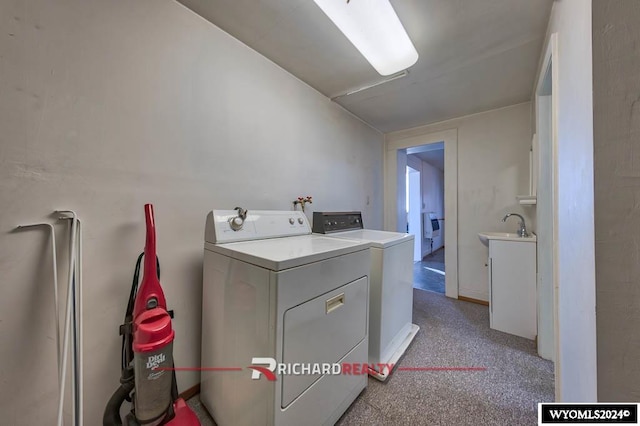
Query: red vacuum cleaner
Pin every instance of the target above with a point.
(148, 379)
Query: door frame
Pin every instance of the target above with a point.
(450, 139)
(549, 65)
(413, 220)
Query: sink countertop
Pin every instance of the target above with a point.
(485, 237)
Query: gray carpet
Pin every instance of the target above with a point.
(453, 334)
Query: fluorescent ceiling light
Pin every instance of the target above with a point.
(375, 30)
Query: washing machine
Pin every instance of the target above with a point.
(274, 291)
(391, 285)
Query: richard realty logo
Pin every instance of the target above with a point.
(271, 369)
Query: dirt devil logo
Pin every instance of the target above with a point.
(154, 361)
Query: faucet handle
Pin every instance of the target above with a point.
(522, 228)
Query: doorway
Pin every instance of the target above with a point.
(398, 153)
(428, 215)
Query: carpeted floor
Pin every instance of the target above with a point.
(454, 334)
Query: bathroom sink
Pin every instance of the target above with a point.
(485, 237)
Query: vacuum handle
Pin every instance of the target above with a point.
(150, 294)
(150, 246)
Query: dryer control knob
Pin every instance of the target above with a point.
(236, 223)
(300, 221)
(291, 221)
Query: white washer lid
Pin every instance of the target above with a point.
(379, 239)
(278, 254)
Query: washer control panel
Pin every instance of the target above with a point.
(328, 222)
(226, 226)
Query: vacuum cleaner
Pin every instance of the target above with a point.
(148, 377)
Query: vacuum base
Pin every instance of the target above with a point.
(184, 415)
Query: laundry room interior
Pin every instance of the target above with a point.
(220, 113)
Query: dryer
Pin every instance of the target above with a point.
(271, 289)
(391, 279)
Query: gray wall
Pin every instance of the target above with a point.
(616, 89)
(433, 201)
(107, 105)
(432, 198)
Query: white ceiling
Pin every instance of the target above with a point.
(431, 153)
(435, 158)
(475, 55)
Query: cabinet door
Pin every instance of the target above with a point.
(512, 267)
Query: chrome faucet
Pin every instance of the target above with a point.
(522, 230)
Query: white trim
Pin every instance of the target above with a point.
(555, 79)
(450, 139)
(550, 61)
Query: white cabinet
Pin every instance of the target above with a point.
(512, 287)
